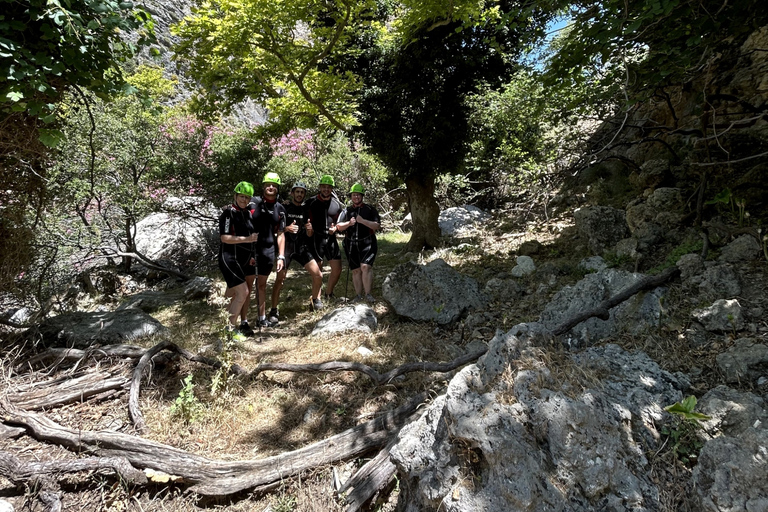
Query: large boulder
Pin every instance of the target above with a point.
(529, 440)
(460, 220)
(432, 292)
(83, 330)
(635, 315)
(177, 236)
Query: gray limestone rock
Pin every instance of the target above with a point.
(601, 226)
(745, 361)
(722, 316)
(357, 317)
(83, 330)
(460, 219)
(431, 292)
(743, 249)
(635, 315)
(531, 441)
(732, 467)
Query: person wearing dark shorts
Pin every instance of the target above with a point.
(236, 232)
(324, 210)
(269, 223)
(359, 223)
(298, 246)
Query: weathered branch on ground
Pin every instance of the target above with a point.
(67, 390)
(372, 477)
(209, 477)
(20, 472)
(62, 355)
(602, 310)
(375, 376)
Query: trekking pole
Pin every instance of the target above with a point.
(346, 282)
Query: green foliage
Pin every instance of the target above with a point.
(686, 443)
(283, 503)
(307, 155)
(47, 45)
(221, 378)
(278, 54)
(187, 406)
(687, 246)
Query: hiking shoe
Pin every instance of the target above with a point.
(370, 298)
(317, 304)
(273, 316)
(358, 298)
(246, 330)
(330, 298)
(266, 323)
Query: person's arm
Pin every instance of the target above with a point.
(235, 239)
(343, 223)
(280, 251)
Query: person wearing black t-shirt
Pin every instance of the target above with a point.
(359, 223)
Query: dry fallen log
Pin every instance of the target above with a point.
(20, 472)
(66, 390)
(372, 477)
(209, 477)
(62, 355)
(602, 310)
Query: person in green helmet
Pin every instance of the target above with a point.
(298, 246)
(237, 235)
(324, 210)
(359, 223)
(269, 223)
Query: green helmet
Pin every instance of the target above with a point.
(327, 179)
(244, 188)
(357, 188)
(271, 177)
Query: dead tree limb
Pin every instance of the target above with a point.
(209, 477)
(375, 376)
(602, 310)
(19, 472)
(66, 390)
(61, 355)
(369, 479)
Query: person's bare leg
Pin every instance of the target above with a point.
(367, 277)
(317, 278)
(262, 290)
(247, 303)
(333, 278)
(278, 286)
(239, 293)
(357, 281)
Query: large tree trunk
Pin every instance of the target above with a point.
(424, 212)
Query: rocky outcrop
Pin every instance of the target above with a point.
(635, 315)
(510, 433)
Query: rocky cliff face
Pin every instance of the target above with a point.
(712, 130)
(165, 15)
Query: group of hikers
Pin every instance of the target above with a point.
(260, 234)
